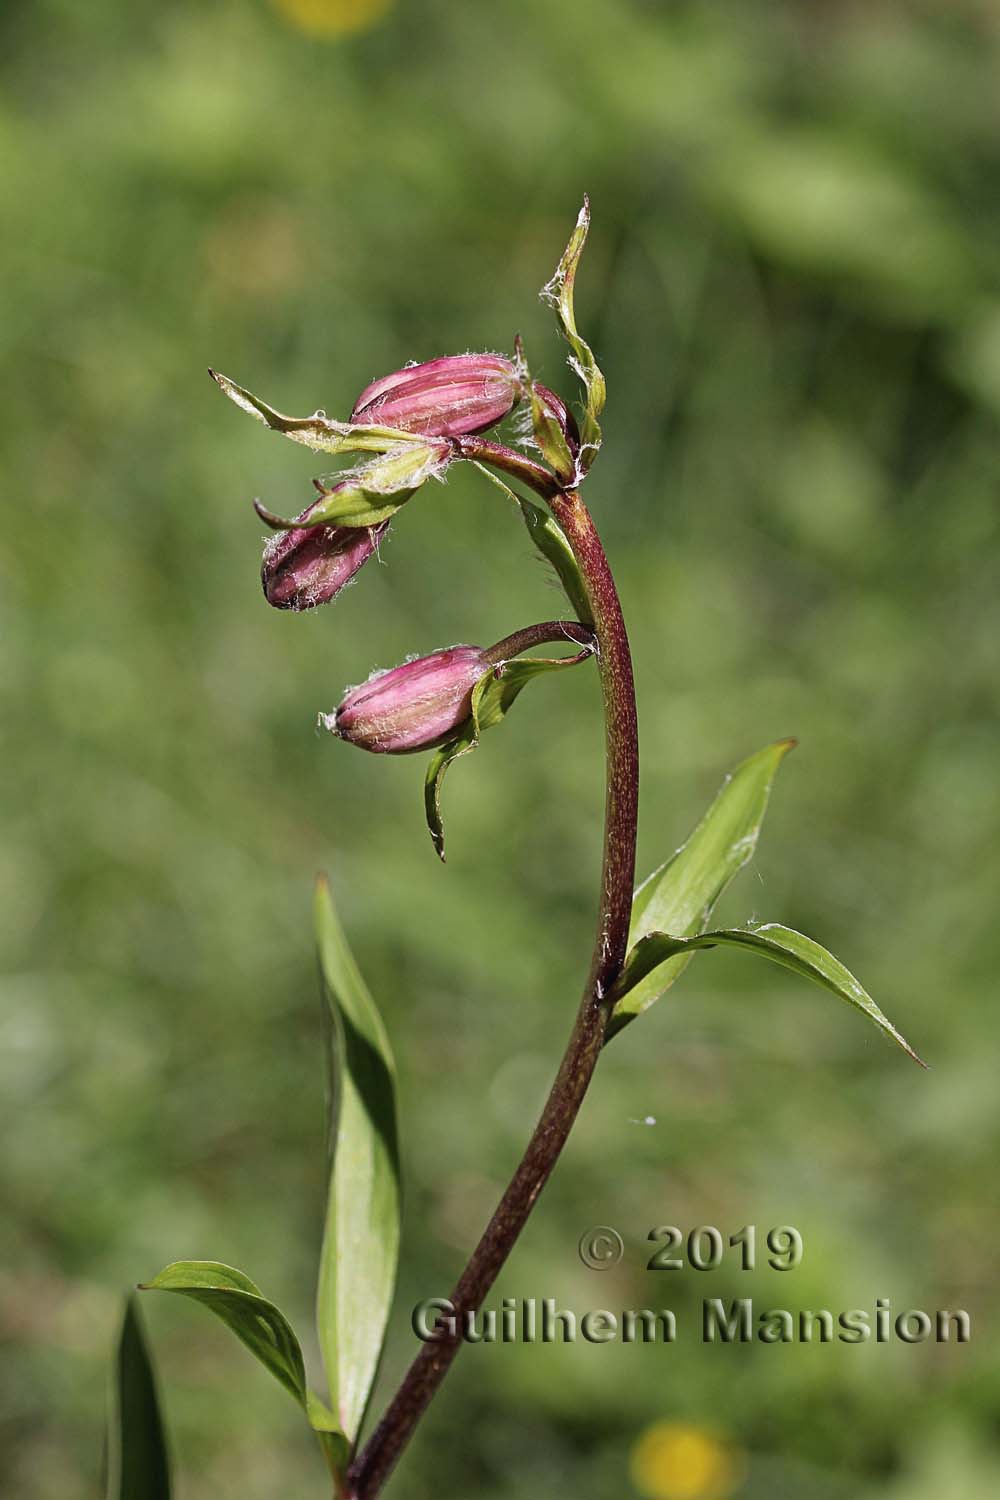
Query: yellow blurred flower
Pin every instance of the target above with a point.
(332, 17)
(673, 1461)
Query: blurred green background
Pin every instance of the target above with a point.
(793, 284)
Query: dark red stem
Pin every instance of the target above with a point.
(550, 632)
(374, 1463)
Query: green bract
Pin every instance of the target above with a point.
(317, 431)
(559, 292)
(372, 493)
(491, 698)
(550, 539)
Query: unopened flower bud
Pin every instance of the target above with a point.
(448, 397)
(309, 565)
(412, 707)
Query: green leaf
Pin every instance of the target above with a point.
(679, 897)
(138, 1467)
(560, 293)
(780, 944)
(241, 1305)
(317, 431)
(550, 539)
(492, 697)
(266, 1332)
(361, 1236)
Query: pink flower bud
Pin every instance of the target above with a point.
(310, 565)
(458, 394)
(413, 707)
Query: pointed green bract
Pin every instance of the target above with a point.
(782, 945)
(550, 539)
(678, 898)
(138, 1466)
(368, 495)
(438, 765)
(560, 293)
(492, 697)
(353, 506)
(361, 1235)
(317, 431)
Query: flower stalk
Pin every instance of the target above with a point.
(372, 1467)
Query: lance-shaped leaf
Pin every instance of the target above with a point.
(492, 697)
(782, 945)
(361, 1236)
(550, 539)
(679, 897)
(318, 430)
(239, 1303)
(560, 293)
(138, 1466)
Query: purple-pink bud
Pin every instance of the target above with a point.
(413, 707)
(311, 564)
(448, 397)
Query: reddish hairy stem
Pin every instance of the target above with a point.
(550, 632)
(515, 465)
(375, 1462)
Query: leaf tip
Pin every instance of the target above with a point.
(322, 903)
(270, 519)
(435, 828)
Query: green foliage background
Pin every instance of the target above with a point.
(793, 286)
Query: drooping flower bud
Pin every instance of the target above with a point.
(448, 397)
(412, 707)
(309, 565)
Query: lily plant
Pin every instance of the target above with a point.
(408, 429)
